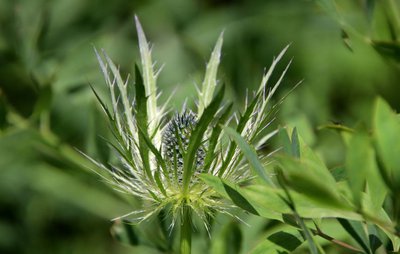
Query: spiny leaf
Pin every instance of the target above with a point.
(197, 136)
(215, 136)
(141, 117)
(210, 79)
(154, 150)
(149, 77)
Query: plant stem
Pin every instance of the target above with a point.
(186, 231)
(319, 233)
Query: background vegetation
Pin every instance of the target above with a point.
(347, 53)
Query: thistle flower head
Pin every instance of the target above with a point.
(175, 141)
(161, 160)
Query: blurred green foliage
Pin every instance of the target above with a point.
(51, 203)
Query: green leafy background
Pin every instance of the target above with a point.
(347, 52)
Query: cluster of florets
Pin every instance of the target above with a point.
(175, 139)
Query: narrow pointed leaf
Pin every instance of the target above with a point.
(295, 144)
(141, 116)
(215, 136)
(250, 154)
(196, 137)
(355, 229)
(285, 241)
(284, 140)
(387, 129)
(357, 165)
(210, 79)
(149, 77)
(242, 123)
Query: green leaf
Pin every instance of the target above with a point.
(154, 150)
(290, 146)
(376, 188)
(242, 123)
(102, 104)
(196, 137)
(387, 138)
(356, 230)
(264, 200)
(159, 183)
(238, 199)
(285, 241)
(141, 119)
(388, 49)
(295, 144)
(285, 141)
(149, 77)
(300, 221)
(250, 154)
(313, 181)
(229, 190)
(357, 164)
(210, 79)
(375, 238)
(214, 137)
(123, 96)
(268, 203)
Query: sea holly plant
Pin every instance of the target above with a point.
(162, 155)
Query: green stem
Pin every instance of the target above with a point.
(186, 231)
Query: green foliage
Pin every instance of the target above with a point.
(382, 28)
(306, 190)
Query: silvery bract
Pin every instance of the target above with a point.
(163, 158)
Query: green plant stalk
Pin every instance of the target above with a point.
(186, 231)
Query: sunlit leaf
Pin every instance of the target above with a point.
(312, 180)
(357, 164)
(387, 129)
(210, 79)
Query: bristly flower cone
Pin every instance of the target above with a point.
(175, 141)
